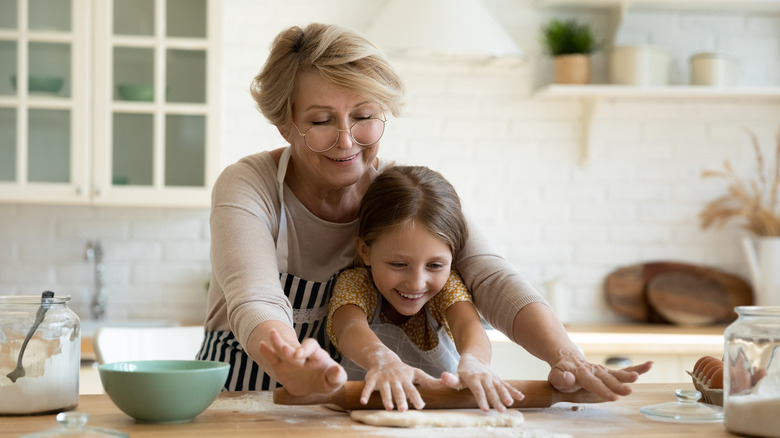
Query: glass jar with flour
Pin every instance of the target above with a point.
(752, 372)
(40, 354)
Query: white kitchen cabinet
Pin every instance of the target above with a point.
(134, 119)
(674, 350)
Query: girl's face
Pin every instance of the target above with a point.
(318, 102)
(409, 265)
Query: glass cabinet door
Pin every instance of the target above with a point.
(108, 101)
(41, 143)
(153, 141)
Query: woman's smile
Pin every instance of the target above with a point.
(345, 159)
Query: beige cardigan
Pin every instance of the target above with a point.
(245, 289)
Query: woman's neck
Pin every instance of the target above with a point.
(333, 204)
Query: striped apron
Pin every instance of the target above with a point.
(309, 300)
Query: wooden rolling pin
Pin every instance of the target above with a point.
(538, 394)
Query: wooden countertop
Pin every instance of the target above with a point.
(252, 414)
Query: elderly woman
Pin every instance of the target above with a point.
(283, 224)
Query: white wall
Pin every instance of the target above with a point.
(513, 158)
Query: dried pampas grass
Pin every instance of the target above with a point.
(754, 200)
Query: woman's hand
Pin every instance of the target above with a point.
(304, 369)
(396, 382)
(573, 372)
(539, 331)
(486, 386)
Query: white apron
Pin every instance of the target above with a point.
(443, 357)
(309, 300)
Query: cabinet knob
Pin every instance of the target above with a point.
(79, 190)
(617, 362)
(98, 192)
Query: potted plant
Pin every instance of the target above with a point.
(755, 202)
(570, 42)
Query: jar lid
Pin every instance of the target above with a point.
(711, 55)
(31, 299)
(687, 409)
(640, 48)
(74, 424)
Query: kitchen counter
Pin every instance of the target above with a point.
(674, 349)
(251, 414)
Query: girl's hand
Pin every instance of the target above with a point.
(573, 371)
(486, 386)
(304, 369)
(395, 382)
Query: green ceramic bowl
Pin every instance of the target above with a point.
(41, 84)
(163, 391)
(142, 92)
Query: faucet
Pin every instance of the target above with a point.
(94, 255)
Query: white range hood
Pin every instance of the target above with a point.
(441, 30)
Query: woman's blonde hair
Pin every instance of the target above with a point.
(404, 193)
(339, 54)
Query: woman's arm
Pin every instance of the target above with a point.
(385, 371)
(475, 355)
(245, 295)
(302, 368)
(541, 333)
(511, 304)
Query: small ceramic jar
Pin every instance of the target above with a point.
(713, 69)
(642, 65)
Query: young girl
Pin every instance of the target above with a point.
(404, 311)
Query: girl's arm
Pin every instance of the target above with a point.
(385, 371)
(475, 354)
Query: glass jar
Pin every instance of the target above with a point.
(51, 360)
(751, 380)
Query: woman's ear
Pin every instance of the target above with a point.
(285, 134)
(363, 251)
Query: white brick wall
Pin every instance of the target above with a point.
(513, 158)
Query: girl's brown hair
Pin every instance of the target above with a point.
(339, 54)
(404, 193)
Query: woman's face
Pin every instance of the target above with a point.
(409, 265)
(320, 103)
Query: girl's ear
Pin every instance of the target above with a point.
(363, 251)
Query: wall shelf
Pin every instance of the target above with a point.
(658, 92)
(592, 95)
(750, 5)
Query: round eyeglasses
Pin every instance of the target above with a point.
(322, 138)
